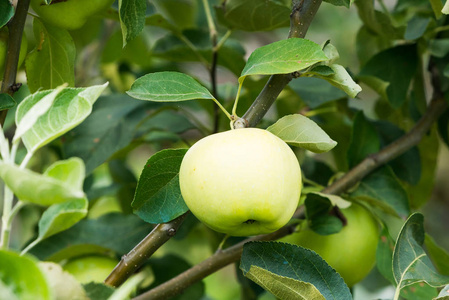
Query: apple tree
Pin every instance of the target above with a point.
(207, 149)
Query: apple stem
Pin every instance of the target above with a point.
(223, 241)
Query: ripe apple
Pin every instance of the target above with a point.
(241, 182)
(90, 268)
(69, 14)
(4, 33)
(352, 251)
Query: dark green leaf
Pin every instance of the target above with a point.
(384, 255)
(158, 195)
(56, 47)
(6, 12)
(115, 232)
(416, 27)
(384, 190)
(439, 47)
(255, 15)
(181, 13)
(297, 263)
(168, 87)
(410, 263)
(364, 140)
(321, 70)
(283, 57)
(315, 91)
(21, 278)
(408, 165)
(6, 101)
(300, 131)
(132, 18)
(98, 291)
(167, 267)
(320, 216)
(397, 67)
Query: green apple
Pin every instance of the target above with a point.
(69, 14)
(352, 251)
(90, 268)
(4, 33)
(241, 182)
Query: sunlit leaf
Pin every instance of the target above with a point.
(168, 87)
(282, 57)
(298, 130)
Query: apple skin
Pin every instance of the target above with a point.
(90, 268)
(352, 251)
(4, 34)
(241, 182)
(69, 14)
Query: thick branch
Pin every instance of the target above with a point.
(12, 57)
(138, 256)
(301, 17)
(220, 259)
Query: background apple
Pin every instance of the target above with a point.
(241, 182)
(4, 33)
(91, 268)
(352, 251)
(69, 14)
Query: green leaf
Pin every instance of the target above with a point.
(182, 13)
(438, 255)
(31, 113)
(158, 195)
(116, 232)
(283, 287)
(439, 47)
(381, 188)
(71, 171)
(255, 15)
(397, 67)
(132, 18)
(115, 122)
(98, 291)
(320, 215)
(416, 27)
(52, 62)
(70, 108)
(33, 187)
(62, 216)
(282, 57)
(6, 12)
(300, 131)
(334, 199)
(342, 80)
(384, 255)
(364, 140)
(410, 263)
(315, 91)
(419, 291)
(6, 101)
(62, 284)
(444, 294)
(168, 87)
(21, 278)
(297, 263)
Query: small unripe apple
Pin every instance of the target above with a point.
(90, 268)
(241, 182)
(352, 251)
(69, 14)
